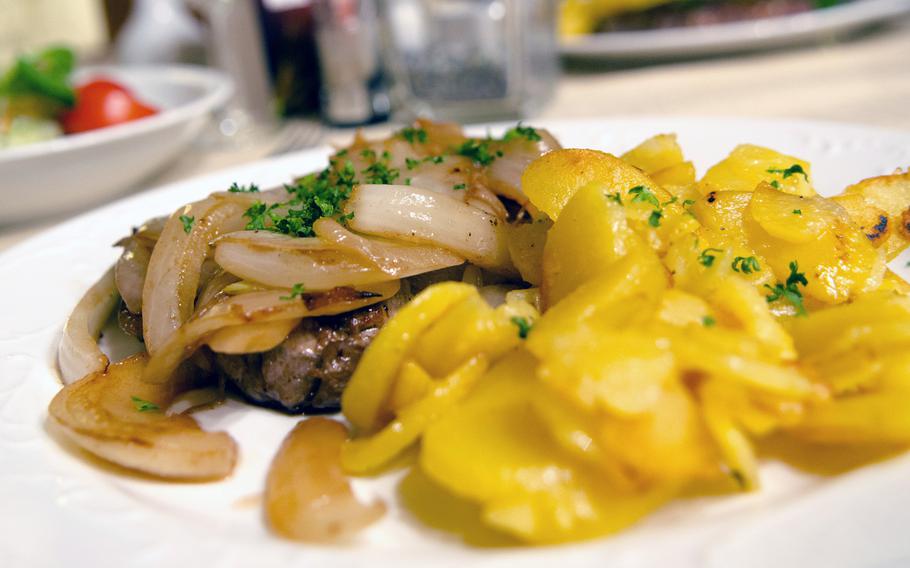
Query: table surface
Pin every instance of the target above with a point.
(864, 79)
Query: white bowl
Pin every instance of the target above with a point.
(79, 170)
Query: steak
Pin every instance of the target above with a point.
(308, 371)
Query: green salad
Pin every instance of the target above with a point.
(34, 92)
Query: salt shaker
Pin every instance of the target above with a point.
(353, 86)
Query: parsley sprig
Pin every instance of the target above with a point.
(297, 291)
(187, 223)
(412, 134)
(518, 131)
(706, 258)
(142, 405)
(789, 290)
(479, 151)
(524, 326)
(235, 188)
(793, 170)
(746, 264)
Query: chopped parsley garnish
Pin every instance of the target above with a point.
(297, 291)
(187, 223)
(142, 405)
(411, 163)
(654, 218)
(435, 159)
(797, 211)
(789, 290)
(672, 200)
(642, 194)
(708, 321)
(775, 184)
(478, 151)
(615, 197)
(524, 327)
(235, 188)
(412, 134)
(706, 258)
(341, 153)
(793, 170)
(380, 173)
(688, 202)
(746, 264)
(314, 196)
(459, 186)
(368, 153)
(519, 131)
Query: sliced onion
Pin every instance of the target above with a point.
(395, 259)
(256, 307)
(417, 215)
(504, 174)
(195, 399)
(307, 496)
(130, 271)
(174, 269)
(247, 198)
(282, 261)
(98, 414)
(214, 288)
(251, 337)
(78, 353)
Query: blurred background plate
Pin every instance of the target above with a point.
(73, 171)
(714, 39)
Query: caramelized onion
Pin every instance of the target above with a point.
(78, 353)
(421, 216)
(251, 337)
(307, 496)
(102, 414)
(504, 174)
(256, 307)
(282, 261)
(395, 259)
(174, 268)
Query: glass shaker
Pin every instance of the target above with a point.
(470, 60)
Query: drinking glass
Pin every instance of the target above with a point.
(469, 60)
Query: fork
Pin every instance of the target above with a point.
(297, 135)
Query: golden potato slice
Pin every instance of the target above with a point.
(363, 455)
(364, 401)
(749, 165)
(623, 372)
(839, 262)
(890, 194)
(551, 180)
(675, 176)
(591, 235)
(525, 484)
(656, 153)
(791, 218)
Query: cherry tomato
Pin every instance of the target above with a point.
(103, 103)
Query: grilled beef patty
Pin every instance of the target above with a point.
(309, 370)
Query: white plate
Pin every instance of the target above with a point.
(780, 31)
(57, 508)
(83, 169)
